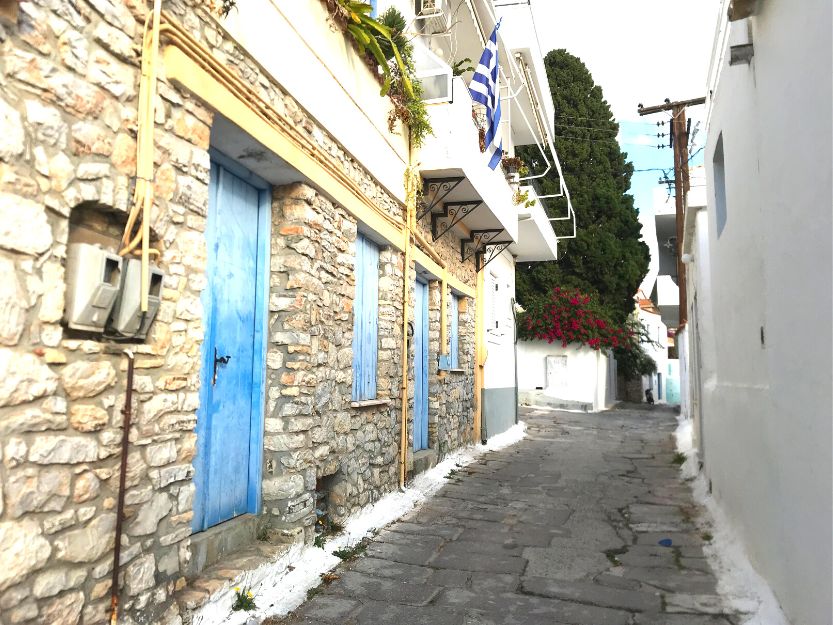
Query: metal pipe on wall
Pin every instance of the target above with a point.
(127, 412)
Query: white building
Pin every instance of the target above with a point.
(758, 340)
(575, 377)
(657, 349)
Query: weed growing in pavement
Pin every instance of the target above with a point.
(679, 459)
(612, 555)
(349, 553)
(707, 536)
(243, 599)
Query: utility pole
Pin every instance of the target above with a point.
(679, 141)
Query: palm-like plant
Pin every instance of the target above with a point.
(366, 32)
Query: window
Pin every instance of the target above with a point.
(365, 320)
(454, 336)
(719, 173)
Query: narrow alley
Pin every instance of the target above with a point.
(584, 522)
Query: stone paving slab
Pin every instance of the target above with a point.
(568, 527)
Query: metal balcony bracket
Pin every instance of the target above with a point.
(434, 191)
(452, 214)
(491, 251)
(477, 242)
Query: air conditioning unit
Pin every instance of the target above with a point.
(425, 9)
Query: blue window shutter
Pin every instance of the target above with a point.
(365, 320)
(454, 347)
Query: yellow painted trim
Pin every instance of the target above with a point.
(479, 355)
(428, 263)
(191, 75)
(444, 314)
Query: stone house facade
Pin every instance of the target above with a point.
(69, 71)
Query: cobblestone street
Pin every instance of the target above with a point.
(568, 526)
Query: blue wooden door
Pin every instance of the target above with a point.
(229, 420)
(421, 367)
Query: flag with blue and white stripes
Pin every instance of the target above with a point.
(484, 90)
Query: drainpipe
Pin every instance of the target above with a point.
(479, 357)
(143, 193)
(411, 186)
(127, 412)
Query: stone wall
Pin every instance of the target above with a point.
(69, 74)
(312, 430)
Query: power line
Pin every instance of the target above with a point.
(604, 140)
(596, 119)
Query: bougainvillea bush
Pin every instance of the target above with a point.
(570, 316)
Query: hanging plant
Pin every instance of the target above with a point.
(406, 89)
(383, 45)
(462, 66)
(511, 164)
(522, 197)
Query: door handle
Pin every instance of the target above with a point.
(218, 360)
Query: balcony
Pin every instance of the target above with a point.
(453, 154)
(536, 239)
(668, 300)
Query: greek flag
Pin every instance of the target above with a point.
(484, 90)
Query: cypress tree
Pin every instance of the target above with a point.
(606, 257)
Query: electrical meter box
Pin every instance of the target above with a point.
(93, 278)
(127, 318)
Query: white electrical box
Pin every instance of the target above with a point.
(93, 278)
(127, 318)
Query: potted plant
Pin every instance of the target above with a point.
(512, 166)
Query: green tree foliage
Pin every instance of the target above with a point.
(606, 257)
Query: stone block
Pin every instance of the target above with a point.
(283, 487)
(89, 543)
(23, 225)
(23, 377)
(88, 418)
(50, 583)
(59, 449)
(65, 610)
(46, 124)
(13, 304)
(24, 550)
(31, 420)
(87, 378)
(12, 136)
(30, 490)
(140, 574)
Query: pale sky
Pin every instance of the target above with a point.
(637, 50)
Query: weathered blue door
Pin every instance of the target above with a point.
(229, 421)
(421, 367)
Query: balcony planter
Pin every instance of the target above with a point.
(512, 167)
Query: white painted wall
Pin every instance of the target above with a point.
(766, 404)
(658, 351)
(499, 369)
(584, 378)
(319, 68)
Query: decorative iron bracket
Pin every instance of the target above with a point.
(477, 243)
(491, 251)
(453, 213)
(437, 189)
